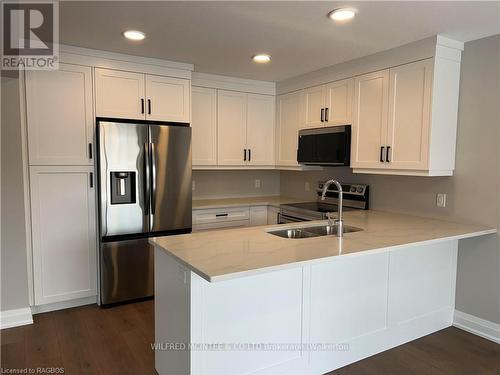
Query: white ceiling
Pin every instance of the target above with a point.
(220, 37)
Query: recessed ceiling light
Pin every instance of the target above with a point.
(134, 35)
(342, 14)
(261, 58)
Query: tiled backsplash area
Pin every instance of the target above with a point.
(235, 183)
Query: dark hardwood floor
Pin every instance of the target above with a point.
(91, 340)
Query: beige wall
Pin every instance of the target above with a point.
(473, 191)
(217, 184)
(14, 280)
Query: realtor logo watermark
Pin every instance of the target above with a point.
(30, 35)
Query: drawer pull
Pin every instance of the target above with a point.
(221, 215)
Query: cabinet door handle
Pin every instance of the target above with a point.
(149, 106)
(221, 215)
(147, 178)
(387, 154)
(142, 105)
(90, 151)
(326, 114)
(249, 154)
(244, 154)
(91, 179)
(322, 115)
(382, 154)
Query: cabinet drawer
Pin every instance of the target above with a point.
(221, 225)
(220, 215)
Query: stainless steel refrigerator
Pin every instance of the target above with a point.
(144, 177)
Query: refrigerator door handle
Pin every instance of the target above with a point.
(153, 179)
(146, 178)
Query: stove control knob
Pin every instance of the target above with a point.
(353, 189)
(360, 189)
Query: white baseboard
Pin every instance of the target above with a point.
(38, 309)
(477, 326)
(15, 318)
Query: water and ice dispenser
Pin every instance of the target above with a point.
(123, 187)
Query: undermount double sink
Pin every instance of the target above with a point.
(312, 231)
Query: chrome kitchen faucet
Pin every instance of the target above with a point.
(339, 221)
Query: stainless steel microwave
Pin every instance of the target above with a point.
(328, 146)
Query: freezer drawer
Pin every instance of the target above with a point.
(127, 270)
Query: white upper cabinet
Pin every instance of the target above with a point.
(260, 129)
(204, 126)
(392, 122)
(245, 129)
(338, 105)
(328, 105)
(232, 120)
(409, 116)
(59, 115)
(63, 232)
(138, 96)
(314, 107)
(167, 98)
(289, 120)
(119, 94)
(369, 131)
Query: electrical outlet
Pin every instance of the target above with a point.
(193, 185)
(307, 186)
(257, 184)
(441, 200)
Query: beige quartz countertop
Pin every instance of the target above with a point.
(225, 254)
(273, 200)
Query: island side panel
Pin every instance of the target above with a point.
(348, 301)
(172, 315)
(266, 308)
(379, 301)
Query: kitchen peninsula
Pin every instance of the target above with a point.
(310, 305)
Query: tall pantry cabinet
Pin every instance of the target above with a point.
(60, 156)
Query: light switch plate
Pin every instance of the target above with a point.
(441, 200)
(257, 184)
(307, 186)
(193, 185)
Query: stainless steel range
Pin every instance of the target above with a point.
(356, 197)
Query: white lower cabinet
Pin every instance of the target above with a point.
(218, 218)
(232, 217)
(258, 215)
(272, 215)
(308, 318)
(63, 233)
